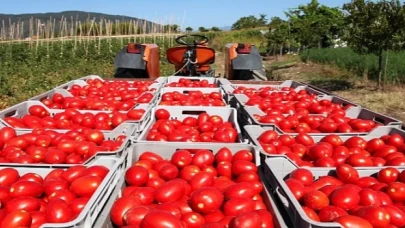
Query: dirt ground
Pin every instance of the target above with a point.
(389, 101)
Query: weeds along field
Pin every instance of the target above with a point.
(30, 68)
(361, 65)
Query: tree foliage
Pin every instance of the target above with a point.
(316, 25)
(215, 29)
(250, 22)
(202, 29)
(189, 29)
(375, 27)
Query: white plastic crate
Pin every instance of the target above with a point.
(254, 131)
(276, 169)
(21, 109)
(166, 151)
(180, 113)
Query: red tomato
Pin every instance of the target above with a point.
(135, 215)
(311, 214)
(247, 219)
(159, 219)
(376, 216)
(396, 191)
(26, 188)
(170, 191)
(396, 215)
(58, 211)
(315, 200)
(347, 174)
(120, 207)
(240, 190)
(26, 203)
(350, 221)
(388, 175)
(17, 218)
(203, 158)
(162, 114)
(303, 175)
(8, 176)
(136, 176)
(296, 187)
(182, 158)
(369, 197)
(241, 166)
(234, 207)
(330, 213)
(193, 220)
(85, 186)
(345, 197)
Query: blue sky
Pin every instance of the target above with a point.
(195, 13)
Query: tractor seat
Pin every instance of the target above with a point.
(205, 55)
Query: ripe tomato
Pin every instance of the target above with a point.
(170, 191)
(120, 207)
(17, 218)
(8, 176)
(193, 220)
(159, 218)
(351, 221)
(58, 211)
(331, 213)
(345, 197)
(162, 114)
(182, 158)
(236, 206)
(311, 214)
(85, 186)
(376, 216)
(26, 188)
(315, 200)
(347, 173)
(136, 176)
(388, 175)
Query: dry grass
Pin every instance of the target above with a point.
(390, 101)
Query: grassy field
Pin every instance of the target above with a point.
(343, 83)
(361, 65)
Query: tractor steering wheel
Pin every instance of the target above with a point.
(197, 40)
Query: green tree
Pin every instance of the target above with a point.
(215, 29)
(278, 36)
(202, 29)
(189, 29)
(250, 22)
(316, 25)
(375, 27)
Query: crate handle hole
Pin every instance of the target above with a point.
(379, 120)
(193, 112)
(11, 113)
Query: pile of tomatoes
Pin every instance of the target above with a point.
(192, 98)
(184, 82)
(303, 123)
(204, 190)
(31, 200)
(286, 93)
(294, 104)
(351, 200)
(51, 147)
(105, 85)
(123, 102)
(204, 128)
(332, 151)
(39, 117)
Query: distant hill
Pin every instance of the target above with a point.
(69, 15)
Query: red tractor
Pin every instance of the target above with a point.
(192, 57)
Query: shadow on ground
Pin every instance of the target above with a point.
(332, 84)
